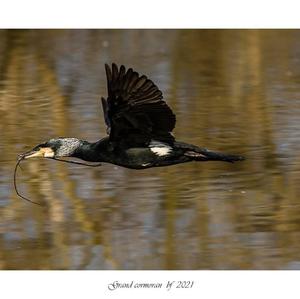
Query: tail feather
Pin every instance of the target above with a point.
(201, 154)
(214, 156)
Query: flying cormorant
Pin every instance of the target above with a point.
(139, 125)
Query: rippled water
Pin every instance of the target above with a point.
(236, 91)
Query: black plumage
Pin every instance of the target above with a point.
(139, 125)
(134, 111)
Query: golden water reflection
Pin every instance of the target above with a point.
(236, 91)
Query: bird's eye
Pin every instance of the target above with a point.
(38, 147)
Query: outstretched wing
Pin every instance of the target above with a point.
(134, 111)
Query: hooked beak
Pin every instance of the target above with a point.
(44, 152)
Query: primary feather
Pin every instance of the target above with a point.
(135, 112)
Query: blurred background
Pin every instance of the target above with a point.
(236, 91)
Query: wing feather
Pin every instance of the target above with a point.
(134, 111)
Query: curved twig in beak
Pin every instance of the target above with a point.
(20, 158)
(48, 153)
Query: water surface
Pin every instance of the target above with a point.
(236, 91)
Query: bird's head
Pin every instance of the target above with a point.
(59, 147)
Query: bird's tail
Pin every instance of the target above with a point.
(201, 154)
(214, 156)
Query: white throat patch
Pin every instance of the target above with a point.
(159, 148)
(49, 154)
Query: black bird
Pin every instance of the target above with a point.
(139, 125)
